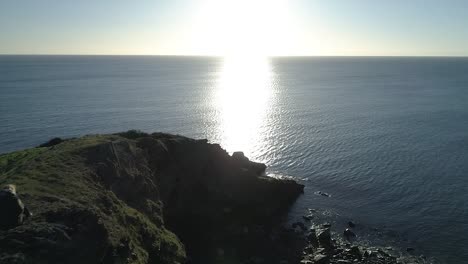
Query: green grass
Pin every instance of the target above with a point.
(58, 178)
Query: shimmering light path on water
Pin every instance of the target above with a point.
(242, 98)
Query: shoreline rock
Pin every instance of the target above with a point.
(324, 246)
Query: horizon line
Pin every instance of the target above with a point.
(221, 56)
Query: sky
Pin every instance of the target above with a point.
(234, 27)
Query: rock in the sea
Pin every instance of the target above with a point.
(348, 234)
(324, 238)
(322, 194)
(321, 250)
(308, 250)
(321, 259)
(410, 249)
(343, 261)
(372, 254)
(312, 237)
(351, 224)
(355, 252)
(338, 250)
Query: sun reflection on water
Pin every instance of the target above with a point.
(242, 100)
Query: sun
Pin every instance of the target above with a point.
(242, 28)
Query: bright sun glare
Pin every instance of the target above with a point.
(242, 28)
(242, 98)
(245, 32)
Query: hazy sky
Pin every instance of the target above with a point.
(220, 27)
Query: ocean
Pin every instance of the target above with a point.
(385, 137)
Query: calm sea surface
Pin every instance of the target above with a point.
(387, 138)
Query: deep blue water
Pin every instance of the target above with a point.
(386, 137)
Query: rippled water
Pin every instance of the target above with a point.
(386, 137)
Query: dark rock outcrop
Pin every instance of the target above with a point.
(323, 248)
(114, 198)
(52, 142)
(324, 238)
(348, 234)
(225, 202)
(13, 211)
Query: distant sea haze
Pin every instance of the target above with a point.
(387, 138)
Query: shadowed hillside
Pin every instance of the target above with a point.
(114, 198)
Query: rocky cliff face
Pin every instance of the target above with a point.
(114, 198)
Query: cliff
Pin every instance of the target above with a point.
(142, 198)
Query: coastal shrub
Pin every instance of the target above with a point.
(132, 134)
(52, 142)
